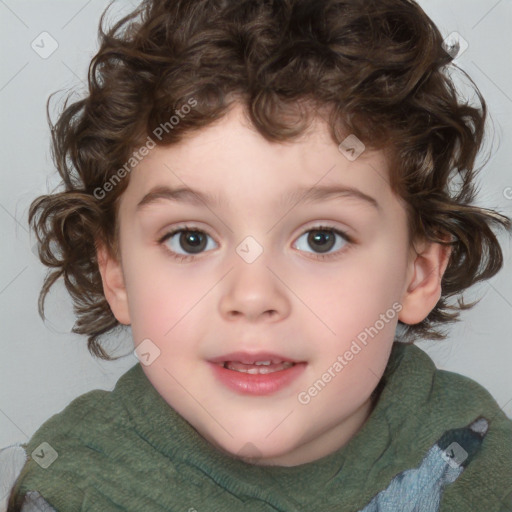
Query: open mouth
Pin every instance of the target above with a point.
(259, 367)
(258, 374)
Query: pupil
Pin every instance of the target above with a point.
(321, 237)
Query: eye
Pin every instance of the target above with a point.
(191, 240)
(323, 239)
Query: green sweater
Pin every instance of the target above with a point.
(129, 450)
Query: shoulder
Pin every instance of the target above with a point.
(453, 396)
(486, 483)
(79, 420)
(84, 415)
(71, 442)
(24, 467)
(470, 422)
(447, 428)
(452, 400)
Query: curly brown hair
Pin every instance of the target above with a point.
(377, 68)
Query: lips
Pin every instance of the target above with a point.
(256, 379)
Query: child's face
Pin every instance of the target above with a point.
(285, 301)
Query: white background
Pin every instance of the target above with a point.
(42, 365)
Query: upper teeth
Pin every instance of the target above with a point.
(257, 363)
(245, 368)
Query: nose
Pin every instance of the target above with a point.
(254, 292)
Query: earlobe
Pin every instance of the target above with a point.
(113, 284)
(424, 284)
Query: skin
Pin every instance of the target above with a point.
(286, 301)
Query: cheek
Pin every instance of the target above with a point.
(168, 302)
(357, 291)
(381, 267)
(156, 298)
(358, 306)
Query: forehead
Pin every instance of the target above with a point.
(230, 160)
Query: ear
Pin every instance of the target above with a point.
(426, 268)
(113, 284)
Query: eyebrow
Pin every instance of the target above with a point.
(301, 194)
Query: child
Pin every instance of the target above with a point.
(315, 156)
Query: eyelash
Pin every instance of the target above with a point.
(189, 257)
